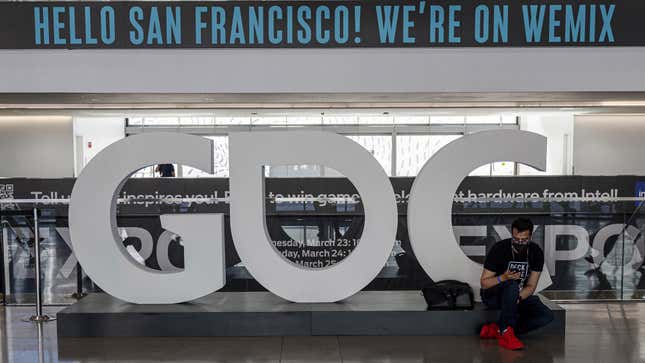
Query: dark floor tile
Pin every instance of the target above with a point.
(595, 333)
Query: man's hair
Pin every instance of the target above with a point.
(522, 224)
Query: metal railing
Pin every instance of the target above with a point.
(35, 214)
(37, 204)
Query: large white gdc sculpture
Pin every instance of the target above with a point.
(250, 152)
(99, 248)
(431, 197)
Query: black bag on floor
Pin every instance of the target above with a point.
(449, 295)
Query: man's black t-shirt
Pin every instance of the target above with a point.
(501, 258)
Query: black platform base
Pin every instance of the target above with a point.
(264, 314)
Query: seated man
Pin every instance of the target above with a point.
(511, 273)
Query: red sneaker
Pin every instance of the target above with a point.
(490, 331)
(509, 341)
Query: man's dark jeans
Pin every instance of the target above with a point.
(528, 315)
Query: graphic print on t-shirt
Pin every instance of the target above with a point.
(519, 266)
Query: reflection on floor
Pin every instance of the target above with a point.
(595, 333)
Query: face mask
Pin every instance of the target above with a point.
(520, 249)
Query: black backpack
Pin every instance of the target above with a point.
(449, 295)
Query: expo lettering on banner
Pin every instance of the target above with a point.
(99, 248)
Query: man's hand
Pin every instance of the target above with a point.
(530, 286)
(490, 279)
(510, 275)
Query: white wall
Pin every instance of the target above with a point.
(100, 132)
(609, 145)
(324, 70)
(559, 131)
(34, 146)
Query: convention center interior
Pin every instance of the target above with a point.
(322, 181)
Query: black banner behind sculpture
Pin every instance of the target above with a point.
(338, 195)
(320, 24)
(325, 227)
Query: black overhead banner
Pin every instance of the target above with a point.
(321, 24)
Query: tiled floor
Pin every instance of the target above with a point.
(595, 333)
